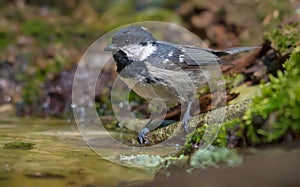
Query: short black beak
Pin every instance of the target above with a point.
(111, 47)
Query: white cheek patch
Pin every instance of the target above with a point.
(139, 52)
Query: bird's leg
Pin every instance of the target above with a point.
(157, 108)
(186, 117)
(147, 128)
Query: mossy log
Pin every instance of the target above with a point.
(230, 112)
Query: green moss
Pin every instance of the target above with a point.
(18, 145)
(221, 140)
(284, 39)
(212, 156)
(276, 112)
(197, 136)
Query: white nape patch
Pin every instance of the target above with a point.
(170, 53)
(165, 61)
(138, 52)
(144, 28)
(181, 58)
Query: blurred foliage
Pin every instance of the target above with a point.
(52, 35)
(36, 27)
(34, 80)
(49, 37)
(273, 12)
(133, 11)
(4, 39)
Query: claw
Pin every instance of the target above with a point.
(142, 136)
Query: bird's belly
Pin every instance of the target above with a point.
(150, 91)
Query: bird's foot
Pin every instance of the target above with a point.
(142, 136)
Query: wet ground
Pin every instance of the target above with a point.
(59, 157)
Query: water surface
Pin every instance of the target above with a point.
(60, 157)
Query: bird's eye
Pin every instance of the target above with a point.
(126, 41)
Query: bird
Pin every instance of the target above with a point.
(161, 69)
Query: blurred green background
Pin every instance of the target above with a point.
(42, 41)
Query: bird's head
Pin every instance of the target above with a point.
(128, 36)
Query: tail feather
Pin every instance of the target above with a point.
(232, 51)
(223, 62)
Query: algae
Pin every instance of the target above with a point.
(18, 145)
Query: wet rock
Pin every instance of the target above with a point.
(9, 91)
(7, 109)
(58, 93)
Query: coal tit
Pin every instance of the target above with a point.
(160, 69)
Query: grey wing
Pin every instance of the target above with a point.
(168, 56)
(187, 56)
(174, 57)
(206, 56)
(195, 56)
